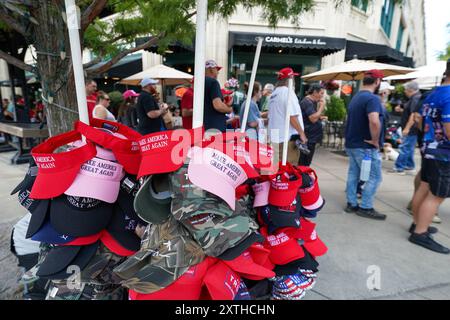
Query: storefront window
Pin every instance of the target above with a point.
(401, 30)
(360, 4)
(387, 13)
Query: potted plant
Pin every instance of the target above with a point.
(335, 109)
(331, 86)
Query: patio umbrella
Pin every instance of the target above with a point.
(354, 70)
(427, 76)
(167, 75)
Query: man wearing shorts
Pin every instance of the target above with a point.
(435, 177)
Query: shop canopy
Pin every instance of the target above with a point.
(377, 52)
(325, 45)
(354, 70)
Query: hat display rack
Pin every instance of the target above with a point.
(223, 229)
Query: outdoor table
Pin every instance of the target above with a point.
(22, 131)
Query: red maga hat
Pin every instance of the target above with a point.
(166, 151)
(246, 267)
(57, 171)
(222, 282)
(286, 73)
(284, 186)
(186, 287)
(307, 232)
(283, 248)
(310, 195)
(376, 74)
(120, 139)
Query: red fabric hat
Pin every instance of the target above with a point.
(283, 248)
(222, 282)
(307, 232)
(166, 151)
(226, 92)
(310, 196)
(186, 287)
(376, 74)
(261, 255)
(283, 189)
(245, 266)
(57, 171)
(123, 142)
(286, 73)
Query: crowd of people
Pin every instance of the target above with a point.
(424, 115)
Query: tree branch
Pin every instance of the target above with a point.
(91, 63)
(12, 22)
(15, 62)
(116, 59)
(94, 9)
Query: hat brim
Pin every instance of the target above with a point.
(151, 206)
(249, 269)
(286, 253)
(317, 247)
(117, 229)
(130, 161)
(307, 262)
(51, 185)
(96, 188)
(117, 247)
(237, 250)
(164, 164)
(187, 287)
(59, 258)
(79, 223)
(38, 217)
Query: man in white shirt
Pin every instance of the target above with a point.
(277, 116)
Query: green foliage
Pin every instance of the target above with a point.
(444, 56)
(116, 99)
(335, 110)
(172, 18)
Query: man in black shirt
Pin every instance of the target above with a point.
(148, 111)
(312, 106)
(215, 109)
(405, 161)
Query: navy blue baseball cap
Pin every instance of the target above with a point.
(122, 229)
(307, 263)
(59, 258)
(129, 186)
(38, 217)
(79, 216)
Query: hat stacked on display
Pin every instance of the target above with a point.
(80, 195)
(284, 202)
(207, 213)
(221, 222)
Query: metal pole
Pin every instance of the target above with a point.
(287, 121)
(73, 25)
(251, 84)
(199, 71)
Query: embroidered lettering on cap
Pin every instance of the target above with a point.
(155, 142)
(45, 162)
(25, 200)
(83, 202)
(232, 283)
(276, 240)
(128, 185)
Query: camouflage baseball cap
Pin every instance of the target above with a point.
(209, 219)
(167, 251)
(152, 201)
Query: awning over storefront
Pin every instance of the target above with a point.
(326, 45)
(377, 52)
(125, 67)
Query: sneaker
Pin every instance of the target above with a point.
(426, 240)
(436, 219)
(395, 171)
(410, 172)
(431, 230)
(351, 209)
(371, 214)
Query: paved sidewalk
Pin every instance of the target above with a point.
(355, 244)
